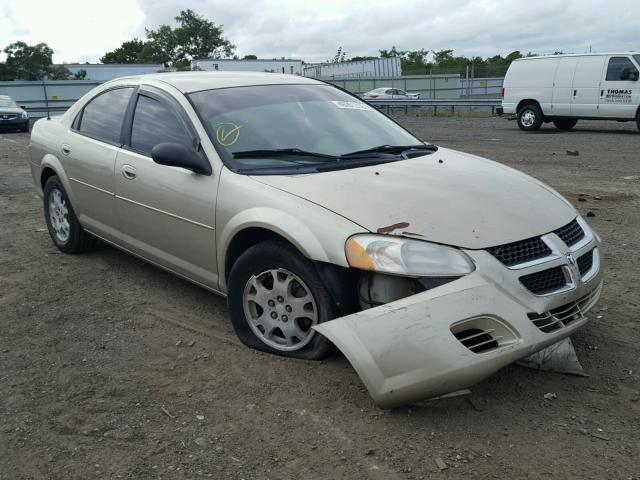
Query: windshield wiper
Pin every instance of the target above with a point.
(390, 149)
(281, 152)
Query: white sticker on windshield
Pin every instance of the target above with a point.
(351, 105)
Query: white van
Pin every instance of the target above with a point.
(564, 88)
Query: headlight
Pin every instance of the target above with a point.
(403, 256)
(25, 114)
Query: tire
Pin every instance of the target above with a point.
(65, 230)
(25, 129)
(253, 292)
(565, 123)
(638, 121)
(530, 117)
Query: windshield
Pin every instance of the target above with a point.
(319, 120)
(7, 102)
(637, 58)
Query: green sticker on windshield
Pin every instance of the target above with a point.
(227, 133)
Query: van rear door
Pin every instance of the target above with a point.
(586, 86)
(620, 92)
(563, 86)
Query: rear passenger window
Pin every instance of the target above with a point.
(155, 122)
(102, 117)
(617, 65)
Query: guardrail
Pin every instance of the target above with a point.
(435, 103)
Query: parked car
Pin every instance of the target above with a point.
(388, 93)
(323, 222)
(565, 88)
(12, 116)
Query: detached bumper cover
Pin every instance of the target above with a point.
(447, 338)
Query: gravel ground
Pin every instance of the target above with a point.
(111, 368)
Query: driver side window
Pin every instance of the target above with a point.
(617, 67)
(155, 122)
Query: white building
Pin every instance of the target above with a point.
(108, 71)
(290, 66)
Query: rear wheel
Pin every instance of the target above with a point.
(530, 117)
(64, 228)
(565, 123)
(275, 297)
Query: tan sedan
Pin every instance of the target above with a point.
(324, 222)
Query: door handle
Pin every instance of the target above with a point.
(575, 92)
(601, 92)
(129, 172)
(65, 149)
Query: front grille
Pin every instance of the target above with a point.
(545, 281)
(562, 316)
(520, 252)
(585, 262)
(477, 340)
(8, 116)
(571, 233)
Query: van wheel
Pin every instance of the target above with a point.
(275, 297)
(638, 121)
(63, 225)
(530, 117)
(565, 123)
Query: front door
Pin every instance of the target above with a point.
(166, 214)
(586, 86)
(620, 93)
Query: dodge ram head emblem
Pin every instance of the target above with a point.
(571, 260)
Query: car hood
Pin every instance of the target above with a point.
(10, 110)
(447, 197)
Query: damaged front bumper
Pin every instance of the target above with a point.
(455, 335)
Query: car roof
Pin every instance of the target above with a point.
(188, 82)
(603, 54)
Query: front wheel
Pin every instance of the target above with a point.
(275, 297)
(530, 117)
(565, 123)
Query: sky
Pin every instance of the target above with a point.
(312, 30)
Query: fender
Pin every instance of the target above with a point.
(52, 162)
(278, 221)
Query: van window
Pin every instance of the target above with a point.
(616, 66)
(637, 57)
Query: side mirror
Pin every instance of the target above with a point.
(179, 155)
(23, 107)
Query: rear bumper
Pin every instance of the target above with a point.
(499, 111)
(453, 336)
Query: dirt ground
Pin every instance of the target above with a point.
(113, 369)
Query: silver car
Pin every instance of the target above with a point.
(323, 222)
(388, 93)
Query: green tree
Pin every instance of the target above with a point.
(128, 52)
(27, 62)
(80, 74)
(58, 72)
(250, 57)
(339, 57)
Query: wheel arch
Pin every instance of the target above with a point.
(50, 166)
(263, 223)
(527, 101)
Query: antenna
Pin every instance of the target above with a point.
(46, 99)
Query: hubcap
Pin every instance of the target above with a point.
(528, 118)
(59, 216)
(280, 309)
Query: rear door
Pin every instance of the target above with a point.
(563, 86)
(89, 154)
(167, 214)
(619, 92)
(586, 86)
